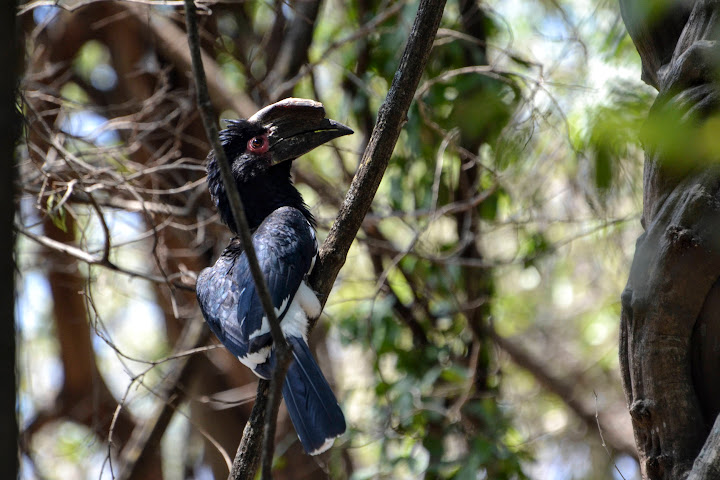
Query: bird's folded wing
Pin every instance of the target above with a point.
(285, 245)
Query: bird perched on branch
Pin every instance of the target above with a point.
(261, 150)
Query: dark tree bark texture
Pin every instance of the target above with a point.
(9, 133)
(670, 325)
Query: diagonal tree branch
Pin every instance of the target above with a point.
(236, 205)
(282, 350)
(391, 118)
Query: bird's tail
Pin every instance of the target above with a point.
(313, 408)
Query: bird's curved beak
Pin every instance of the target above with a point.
(296, 126)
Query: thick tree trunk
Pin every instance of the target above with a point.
(9, 133)
(670, 326)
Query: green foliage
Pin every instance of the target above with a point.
(613, 130)
(90, 55)
(426, 415)
(534, 247)
(56, 211)
(684, 142)
(418, 393)
(73, 93)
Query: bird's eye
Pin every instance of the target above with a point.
(258, 144)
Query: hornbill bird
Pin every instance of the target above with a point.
(261, 150)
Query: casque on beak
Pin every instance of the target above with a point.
(297, 126)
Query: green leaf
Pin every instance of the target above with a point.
(57, 215)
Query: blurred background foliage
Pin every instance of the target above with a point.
(471, 333)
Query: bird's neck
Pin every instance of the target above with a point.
(260, 202)
(265, 195)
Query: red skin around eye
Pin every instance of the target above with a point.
(259, 144)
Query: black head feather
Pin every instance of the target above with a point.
(264, 186)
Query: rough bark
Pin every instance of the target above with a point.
(670, 324)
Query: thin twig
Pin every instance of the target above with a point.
(209, 122)
(90, 259)
(602, 438)
(170, 37)
(145, 440)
